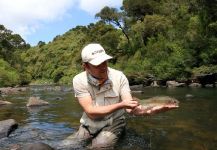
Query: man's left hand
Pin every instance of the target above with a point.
(140, 111)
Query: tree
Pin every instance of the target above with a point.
(111, 15)
(41, 43)
(151, 26)
(137, 9)
(9, 43)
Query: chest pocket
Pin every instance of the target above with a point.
(105, 96)
(111, 97)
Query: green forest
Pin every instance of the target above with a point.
(161, 39)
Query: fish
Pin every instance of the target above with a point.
(156, 104)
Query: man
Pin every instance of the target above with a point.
(104, 95)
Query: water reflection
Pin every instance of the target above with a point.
(192, 126)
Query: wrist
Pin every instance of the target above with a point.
(121, 104)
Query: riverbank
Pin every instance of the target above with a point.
(136, 84)
(139, 87)
(202, 80)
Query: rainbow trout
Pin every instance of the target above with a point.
(158, 102)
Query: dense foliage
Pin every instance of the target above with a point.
(11, 69)
(165, 39)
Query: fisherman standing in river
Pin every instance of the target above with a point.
(105, 96)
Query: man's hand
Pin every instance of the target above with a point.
(162, 108)
(140, 111)
(130, 103)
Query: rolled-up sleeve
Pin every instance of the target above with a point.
(80, 88)
(124, 85)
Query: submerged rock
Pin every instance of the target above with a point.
(71, 143)
(4, 102)
(36, 146)
(36, 101)
(7, 126)
(189, 96)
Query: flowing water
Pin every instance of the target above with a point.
(193, 126)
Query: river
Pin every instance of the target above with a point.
(193, 126)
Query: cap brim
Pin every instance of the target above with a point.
(97, 61)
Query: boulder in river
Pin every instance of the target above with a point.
(36, 101)
(7, 126)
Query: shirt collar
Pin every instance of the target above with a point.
(94, 82)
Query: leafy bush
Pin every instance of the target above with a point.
(8, 75)
(204, 70)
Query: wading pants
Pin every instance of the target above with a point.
(106, 138)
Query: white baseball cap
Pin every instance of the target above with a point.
(94, 54)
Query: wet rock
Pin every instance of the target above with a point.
(36, 146)
(36, 101)
(35, 110)
(171, 84)
(154, 84)
(137, 87)
(205, 79)
(15, 147)
(137, 91)
(11, 90)
(209, 85)
(7, 126)
(195, 85)
(189, 96)
(4, 102)
(71, 143)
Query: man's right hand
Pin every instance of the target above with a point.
(130, 103)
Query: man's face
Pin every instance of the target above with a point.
(99, 72)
